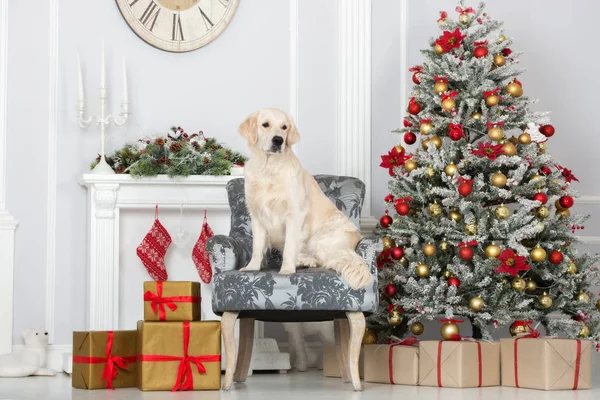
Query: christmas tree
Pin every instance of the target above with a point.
(478, 224)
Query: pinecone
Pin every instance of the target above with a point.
(206, 160)
(196, 146)
(160, 142)
(120, 169)
(176, 147)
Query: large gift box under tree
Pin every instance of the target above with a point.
(331, 367)
(459, 364)
(547, 363)
(396, 363)
(171, 301)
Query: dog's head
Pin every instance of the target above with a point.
(270, 130)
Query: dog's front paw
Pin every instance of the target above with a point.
(287, 269)
(307, 261)
(252, 266)
(359, 278)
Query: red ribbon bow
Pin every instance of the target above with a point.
(465, 180)
(392, 307)
(465, 244)
(185, 378)
(440, 79)
(158, 302)
(425, 121)
(112, 363)
(404, 200)
(443, 15)
(407, 123)
(416, 68)
(449, 95)
(493, 124)
(533, 333)
(491, 92)
(483, 43)
(465, 11)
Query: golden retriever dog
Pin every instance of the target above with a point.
(289, 211)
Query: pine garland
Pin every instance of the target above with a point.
(177, 155)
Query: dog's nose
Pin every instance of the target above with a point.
(277, 140)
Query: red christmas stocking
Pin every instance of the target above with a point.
(200, 255)
(153, 248)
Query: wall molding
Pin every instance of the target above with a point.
(294, 15)
(403, 24)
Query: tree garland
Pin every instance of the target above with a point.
(177, 155)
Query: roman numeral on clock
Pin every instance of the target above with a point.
(177, 28)
(150, 15)
(206, 20)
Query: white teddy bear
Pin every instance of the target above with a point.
(30, 361)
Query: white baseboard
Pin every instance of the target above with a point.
(55, 352)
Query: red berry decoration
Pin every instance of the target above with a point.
(386, 220)
(480, 51)
(545, 170)
(396, 253)
(454, 281)
(465, 253)
(566, 201)
(410, 138)
(402, 208)
(415, 79)
(547, 130)
(389, 198)
(541, 197)
(465, 188)
(390, 290)
(414, 107)
(555, 257)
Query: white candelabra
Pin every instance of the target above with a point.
(102, 120)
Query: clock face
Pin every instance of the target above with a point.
(178, 25)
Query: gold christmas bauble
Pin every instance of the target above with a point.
(438, 49)
(535, 177)
(499, 179)
(582, 297)
(394, 318)
(388, 242)
(501, 39)
(542, 212)
(449, 104)
(499, 60)
(455, 216)
(400, 149)
(435, 210)
(598, 305)
(429, 249)
(444, 246)
(436, 141)
(502, 212)
(450, 169)
(543, 147)
(450, 331)
(518, 329)
(509, 149)
(425, 128)
(492, 251)
(417, 328)
(492, 100)
(440, 87)
(464, 18)
(404, 262)
(519, 284)
(496, 134)
(370, 337)
(538, 254)
(429, 172)
(471, 229)
(476, 115)
(410, 165)
(564, 212)
(572, 268)
(545, 301)
(422, 271)
(524, 138)
(447, 274)
(557, 205)
(514, 89)
(476, 303)
(584, 332)
(531, 286)
(425, 144)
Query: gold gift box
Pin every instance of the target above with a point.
(166, 340)
(547, 364)
(331, 367)
(90, 349)
(459, 364)
(188, 310)
(404, 364)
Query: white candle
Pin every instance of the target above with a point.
(102, 70)
(125, 94)
(80, 95)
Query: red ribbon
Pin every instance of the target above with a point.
(404, 200)
(484, 43)
(451, 320)
(465, 180)
(443, 15)
(449, 95)
(491, 92)
(425, 121)
(409, 341)
(112, 362)
(465, 11)
(392, 307)
(439, 359)
(158, 302)
(185, 379)
(407, 123)
(465, 244)
(440, 79)
(494, 124)
(416, 68)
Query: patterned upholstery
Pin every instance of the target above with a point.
(309, 289)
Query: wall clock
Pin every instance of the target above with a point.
(178, 25)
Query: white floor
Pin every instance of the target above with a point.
(301, 386)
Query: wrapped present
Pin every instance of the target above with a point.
(179, 355)
(460, 364)
(104, 359)
(396, 363)
(546, 363)
(331, 367)
(171, 301)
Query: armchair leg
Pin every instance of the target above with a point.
(228, 331)
(357, 331)
(245, 349)
(342, 334)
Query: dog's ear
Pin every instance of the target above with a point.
(293, 135)
(249, 129)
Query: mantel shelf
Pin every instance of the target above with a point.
(126, 179)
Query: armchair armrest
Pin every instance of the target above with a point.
(227, 253)
(368, 248)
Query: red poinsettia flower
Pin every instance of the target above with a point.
(512, 263)
(383, 258)
(506, 52)
(488, 150)
(407, 123)
(450, 40)
(394, 158)
(567, 174)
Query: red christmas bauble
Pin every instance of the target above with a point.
(410, 138)
(545, 170)
(455, 135)
(386, 221)
(390, 290)
(415, 79)
(547, 130)
(402, 208)
(465, 253)
(555, 257)
(389, 198)
(541, 197)
(566, 201)
(414, 108)
(480, 51)
(454, 281)
(396, 253)
(465, 189)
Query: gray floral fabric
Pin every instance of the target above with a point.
(307, 289)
